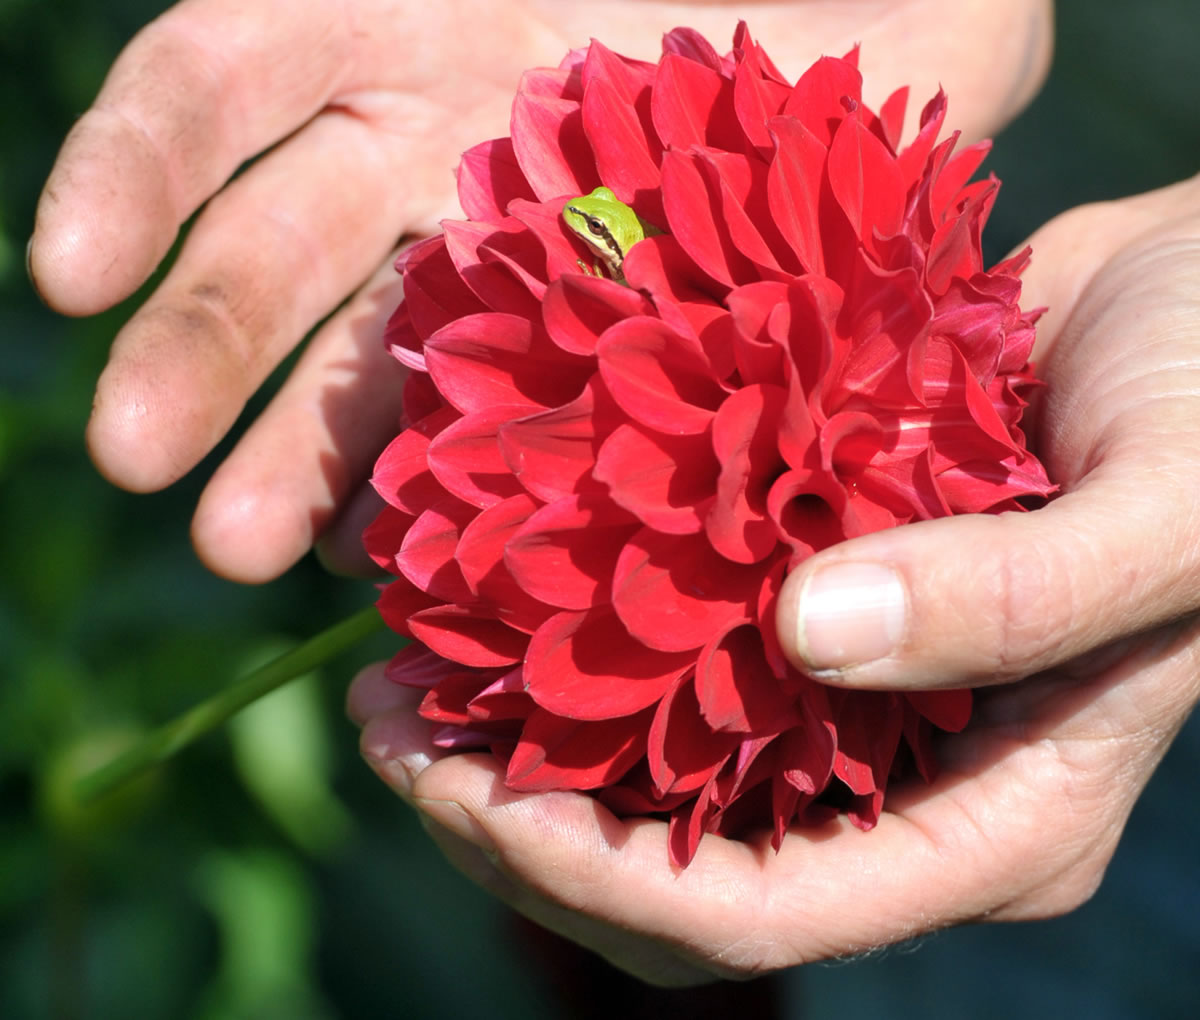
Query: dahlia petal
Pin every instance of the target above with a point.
(503, 699)
(659, 377)
(558, 250)
(848, 442)
(807, 507)
(382, 537)
(915, 157)
(736, 688)
(868, 733)
(480, 557)
(447, 702)
(552, 453)
(743, 439)
(566, 754)
(947, 710)
(691, 45)
(688, 824)
(673, 592)
(626, 159)
(666, 482)
(816, 101)
(956, 172)
(466, 456)
(563, 554)
(693, 203)
(807, 753)
(683, 752)
(866, 181)
(889, 125)
(756, 99)
(818, 353)
(434, 293)
(562, 82)
(976, 486)
(402, 476)
(489, 177)
(478, 361)
(585, 665)
(794, 189)
(468, 634)
(692, 104)
(416, 666)
(426, 556)
(579, 308)
(551, 146)
(483, 254)
(398, 601)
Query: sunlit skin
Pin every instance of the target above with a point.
(355, 148)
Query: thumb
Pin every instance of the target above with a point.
(977, 599)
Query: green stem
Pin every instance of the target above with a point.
(167, 740)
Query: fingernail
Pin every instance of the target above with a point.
(850, 613)
(451, 815)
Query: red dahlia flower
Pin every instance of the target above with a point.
(604, 484)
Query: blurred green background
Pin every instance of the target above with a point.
(267, 874)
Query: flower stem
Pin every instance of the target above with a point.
(171, 738)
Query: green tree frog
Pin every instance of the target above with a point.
(608, 227)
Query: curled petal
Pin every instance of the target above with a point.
(737, 688)
(556, 753)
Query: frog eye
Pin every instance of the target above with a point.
(595, 225)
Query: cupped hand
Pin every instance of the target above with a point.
(1095, 594)
(354, 114)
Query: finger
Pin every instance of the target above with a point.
(198, 91)
(340, 550)
(395, 741)
(1065, 755)
(271, 255)
(310, 451)
(976, 600)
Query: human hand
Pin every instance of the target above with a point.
(357, 113)
(1095, 594)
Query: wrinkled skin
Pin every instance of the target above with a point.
(1079, 618)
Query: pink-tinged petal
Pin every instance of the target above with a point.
(551, 146)
(866, 181)
(691, 45)
(552, 453)
(468, 634)
(562, 82)
(416, 666)
(737, 689)
(585, 665)
(566, 754)
(673, 592)
(627, 159)
(816, 101)
(579, 308)
(976, 486)
(478, 361)
(794, 190)
(683, 752)
(427, 556)
(744, 441)
(954, 250)
(947, 710)
(503, 699)
(973, 314)
(479, 252)
(564, 553)
(692, 104)
(402, 476)
(489, 177)
(434, 293)
(383, 536)
(666, 482)
(629, 77)
(659, 377)
(466, 457)
(398, 601)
